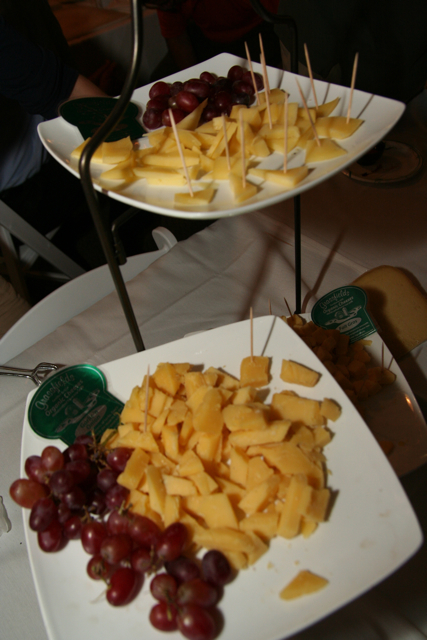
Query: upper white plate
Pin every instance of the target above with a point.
(379, 115)
(371, 531)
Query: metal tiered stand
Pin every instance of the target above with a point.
(105, 235)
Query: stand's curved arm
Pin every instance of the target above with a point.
(84, 168)
(278, 18)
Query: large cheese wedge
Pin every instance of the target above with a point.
(398, 306)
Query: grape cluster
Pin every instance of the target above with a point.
(187, 594)
(184, 97)
(74, 495)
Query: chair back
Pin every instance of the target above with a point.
(74, 297)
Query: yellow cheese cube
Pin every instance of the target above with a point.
(176, 486)
(134, 470)
(297, 409)
(276, 432)
(254, 371)
(257, 472)
(167, 378)
(238, 466)
(263, 524)
(297, 373)
(257, 498)
(242, 417)
(208, 416)
(204, 482)
(117, 151)
(304, 583)
(156, 489)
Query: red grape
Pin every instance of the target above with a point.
(197, 592)
(160, 88)
(73, 528)
(178, 115)
(241, 98)
(199, 87)
(176, 87)
(183, 569)
(26, 492)
(93, 533)
(142, 560)
(210, 112)
(63, 513)
(52, 458)
(81, 470)
(172, 542)
(118, 522)
(75, 452)
(42, 514)
(163, 587)
(143, 531)
(243, 87)
(208, 77)
(216, 568)
(163, 617)
(96, 503)
(247, 77)
(97, 568)
(116, 496)
(161, 102)
(116, 548)
(152, 118)
(35, 469)
(123, 586)
(186, 101)
(106, 478)
(61, 481)
(196, 623)
(223, 101)
(235, 72)
(51, 538)
(75, 498)
(117, 458)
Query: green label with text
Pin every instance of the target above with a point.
(344, 309)
(74, 401)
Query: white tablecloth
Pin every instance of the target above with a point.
(213, 279)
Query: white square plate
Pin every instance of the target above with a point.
(372, 529)
(379, 114)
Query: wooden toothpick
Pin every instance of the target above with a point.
(147, 387)
(286, 303)
(252, 333)
(178, 142)
(252, 72)
(310, 73)
(353, 82)
(264, 66)
(242, 148)
(227, 150)
(285, 129)
(308, 114)
(266, 84)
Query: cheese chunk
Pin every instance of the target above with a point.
(398, 306)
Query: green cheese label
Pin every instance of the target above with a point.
(88, 114)
(344, 309)
(74, 401)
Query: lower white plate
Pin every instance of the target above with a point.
(372, 529)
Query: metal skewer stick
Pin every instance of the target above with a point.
(84, 168)
(273, 18)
